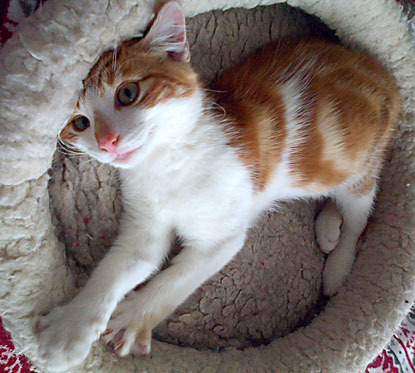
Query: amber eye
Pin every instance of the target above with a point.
(81, 123)
(127, 93)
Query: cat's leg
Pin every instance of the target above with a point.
(355, 204)
(65, 334)
(328, 227)
(130, 328)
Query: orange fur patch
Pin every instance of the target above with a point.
(68, 134)
(131, 61)
(257, 130)
(350, 103)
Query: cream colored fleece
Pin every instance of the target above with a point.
(42, 67)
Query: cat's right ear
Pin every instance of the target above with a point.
(168, 33)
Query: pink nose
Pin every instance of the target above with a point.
(109, 143)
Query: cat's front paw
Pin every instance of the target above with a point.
(65, 336)
(129, 330)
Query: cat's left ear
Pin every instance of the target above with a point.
(168, 33)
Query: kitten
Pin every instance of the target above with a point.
(298, 118)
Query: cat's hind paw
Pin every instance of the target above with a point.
(328, 228)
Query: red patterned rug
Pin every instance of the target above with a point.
(10, 361)
(398, 357)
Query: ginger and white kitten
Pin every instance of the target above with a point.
(299, 118)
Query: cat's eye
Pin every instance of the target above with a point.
(127, 93)
(80, 123)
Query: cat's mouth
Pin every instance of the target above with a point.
(125, 157)
(128, 159)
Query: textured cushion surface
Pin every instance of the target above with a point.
(41, 74)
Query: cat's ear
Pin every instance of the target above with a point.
(168, 33)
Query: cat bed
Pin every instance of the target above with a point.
(43, 65)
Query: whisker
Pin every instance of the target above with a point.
(62, 151)
(216, 105)
(114, 57)
(68, 146)
(63, 148)
(90, 77)
(69, 149)
(212, 90)
(127, 61)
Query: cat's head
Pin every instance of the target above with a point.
(136, 95)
